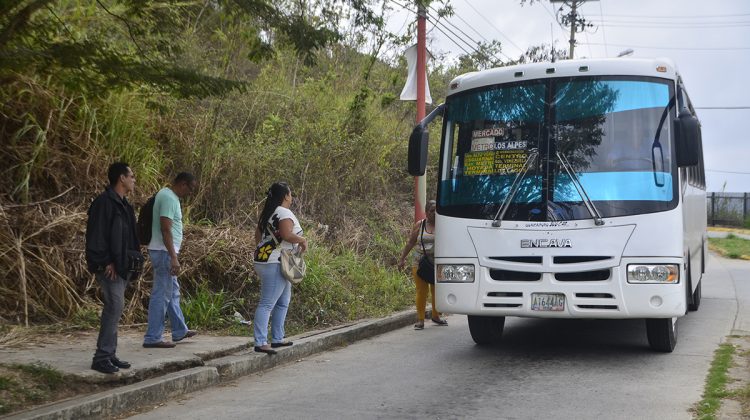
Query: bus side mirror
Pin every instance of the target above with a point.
(687, 130)
(418, 151)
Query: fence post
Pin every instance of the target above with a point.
(713, 209)
(744, 208)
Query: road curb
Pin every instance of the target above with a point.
(163, 388)
(118, 400)
(235, 366)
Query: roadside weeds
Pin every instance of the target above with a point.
(26, 385)
(727, 390)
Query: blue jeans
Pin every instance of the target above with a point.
(275, 294)
(165, 300)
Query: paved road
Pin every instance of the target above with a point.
(552, 369)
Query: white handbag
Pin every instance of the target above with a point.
(293, 266)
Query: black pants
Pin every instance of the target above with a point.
(113, 296)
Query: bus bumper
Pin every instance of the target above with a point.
(613, 298)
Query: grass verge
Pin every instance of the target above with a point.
(22, 386)
(731, 247)
(727, 389)
(716, 383)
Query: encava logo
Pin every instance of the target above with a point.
(546, 243)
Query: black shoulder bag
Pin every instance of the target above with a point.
(425, 269)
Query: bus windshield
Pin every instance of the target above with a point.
(613, 133)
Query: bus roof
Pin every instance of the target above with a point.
(655, 67)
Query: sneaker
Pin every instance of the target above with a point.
(104, 366)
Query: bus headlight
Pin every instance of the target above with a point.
(455, 273)
(653, 273)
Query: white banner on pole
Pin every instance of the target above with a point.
(409, 93)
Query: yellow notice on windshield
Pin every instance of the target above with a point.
(494, 162)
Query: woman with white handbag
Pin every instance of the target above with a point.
(278, 228)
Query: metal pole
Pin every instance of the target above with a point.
(713, 209)
(744, 208)
(420, 182)
(573, 25)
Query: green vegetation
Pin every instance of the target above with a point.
(208, 310)
(716, 383)
(23, 385)
(242, 93)
(727, 380)
(731, 247)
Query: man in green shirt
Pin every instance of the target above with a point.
(164, 248)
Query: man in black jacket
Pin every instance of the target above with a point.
(113, 255)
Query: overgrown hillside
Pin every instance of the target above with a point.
(322, 118)
(241, 93)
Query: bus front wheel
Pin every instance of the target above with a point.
(486, 329)
(695, 303)
(662, 334)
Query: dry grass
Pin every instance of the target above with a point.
(56, 148)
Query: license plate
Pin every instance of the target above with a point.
(548, 302)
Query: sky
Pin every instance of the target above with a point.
(709, 41)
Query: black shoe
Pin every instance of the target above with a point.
(264, 350)
(282, 344)
(188, 334)
(104, 366)
(119, 363)
(159, 345)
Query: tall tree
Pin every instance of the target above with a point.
(111, 44)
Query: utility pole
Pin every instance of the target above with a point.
(420, 182)
(572, 19)
(572, 29)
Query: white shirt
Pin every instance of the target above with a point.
(267, 252)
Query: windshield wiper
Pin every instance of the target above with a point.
(581, 191)
(514, 187)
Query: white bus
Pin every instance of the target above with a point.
(572, 189)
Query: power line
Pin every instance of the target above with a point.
(604, 35)
(683, 23)
(452, 40)
(467, 36)
(544, 6)
(728, 172)
(552, 15)
(679, 16)
(435, 26)
(478, 33)
(494, 27)
(674, 48)
(662, 26)
(721, 107)
(468, 44)
(669, 24)
(402, 6)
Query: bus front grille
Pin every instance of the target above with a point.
(596, 275)
(502, 305)
(597, 301)
(510, 275)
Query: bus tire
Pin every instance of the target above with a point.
(486, 329)
(662, 334)
(695, 302)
